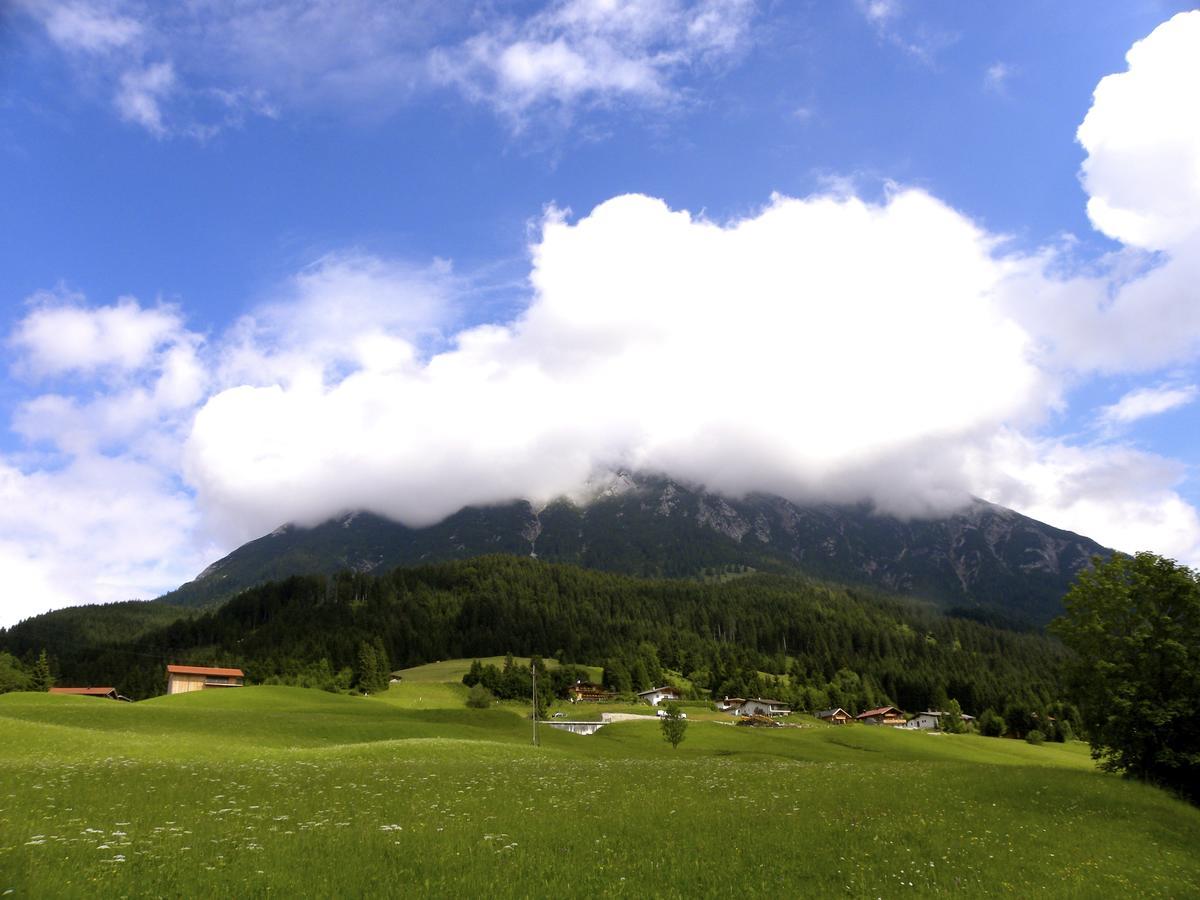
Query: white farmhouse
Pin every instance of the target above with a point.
(657, 695)
(927, 720)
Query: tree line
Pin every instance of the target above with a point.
(806, 642)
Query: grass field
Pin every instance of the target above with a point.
(454, 669)
(273, 790)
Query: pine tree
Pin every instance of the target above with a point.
(40, 678)
(367, 674)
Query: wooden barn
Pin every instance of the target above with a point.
(181, 679)
(884, 715)
(837, 716)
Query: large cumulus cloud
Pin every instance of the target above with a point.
(805, 350)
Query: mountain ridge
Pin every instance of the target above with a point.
(985, 556)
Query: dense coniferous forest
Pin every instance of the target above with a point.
(807, 642)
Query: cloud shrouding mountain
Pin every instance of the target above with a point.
(823, 347)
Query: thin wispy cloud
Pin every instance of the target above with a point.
(193, 69)
(896, 25)
(579, 52)
(997, 77)
(1142, 403)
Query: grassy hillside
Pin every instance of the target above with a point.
(294, 792)
(452, 670)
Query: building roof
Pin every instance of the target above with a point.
(882, 711)
(205, 670)
(830, 713)
(85, 691)
(658, 690)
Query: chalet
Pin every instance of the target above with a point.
(657, 695)
(837, 716)
(181, 679)
(108, 693)
(756, 706)
(885, 715)
(585, 692)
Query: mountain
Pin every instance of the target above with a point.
(985, 560)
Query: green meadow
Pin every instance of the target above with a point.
(284, 791)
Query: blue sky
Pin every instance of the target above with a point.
(268, 261)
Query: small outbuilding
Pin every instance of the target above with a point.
(108, 693)
(182, 679)
(884, 715)
(837, 716)
(658, 695)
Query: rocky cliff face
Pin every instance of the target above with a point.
(985, 556)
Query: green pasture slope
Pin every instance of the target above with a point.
(289, 792)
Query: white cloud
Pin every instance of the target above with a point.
(63, 336)
(879, 12)
(344, 311)
(1121, 497)
(580, 51)
(1147, 401)
(195, 68)
(141, 94)
(747, 356)
(996, 77)
(1142, 136)
(1138, 310)
(93, 27)
(98, 530)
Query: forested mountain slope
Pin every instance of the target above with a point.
(985, 556)
(720, 635)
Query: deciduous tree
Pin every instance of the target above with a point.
(1134, 624)
(674, 725)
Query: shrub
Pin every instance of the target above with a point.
(1035, 737)
(479, 697)
(991, 724)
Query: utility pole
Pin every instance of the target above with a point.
(533, 669)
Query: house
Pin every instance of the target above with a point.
(729, 704)
(108, 693)
(586, 692)
(657, 695)
(932, 719)
(837, 716)
(757, 706)
(884, 715)
(926, 720)
(181, 679)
